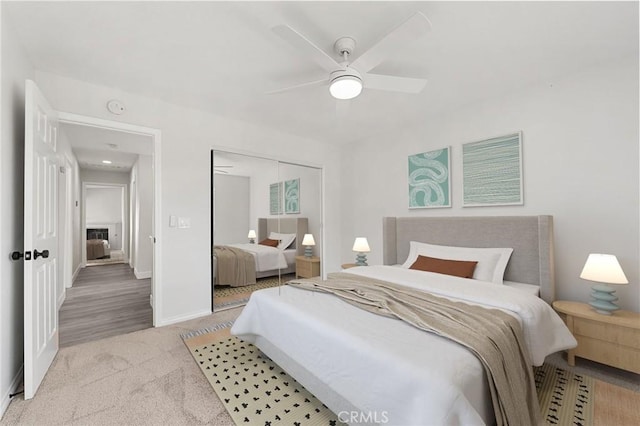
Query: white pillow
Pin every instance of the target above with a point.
(285, 239)
(491, 261)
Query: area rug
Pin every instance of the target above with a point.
(226, 297)
(255, 390)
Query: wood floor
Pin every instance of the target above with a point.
(104, 301)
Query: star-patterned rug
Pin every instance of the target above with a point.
(253, 389)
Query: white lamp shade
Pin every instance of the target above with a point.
(361, 245)
(345, 87)
(603, 268)
(252, 234)
(308, 240)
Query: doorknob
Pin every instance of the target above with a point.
(43, 253)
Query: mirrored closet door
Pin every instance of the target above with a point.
(266, 225)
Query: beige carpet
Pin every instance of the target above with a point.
(226, 297)
(149, 378)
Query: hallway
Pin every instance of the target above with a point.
(104, 301)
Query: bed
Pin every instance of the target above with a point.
(411, 377)
(268, 261)
(98, 249)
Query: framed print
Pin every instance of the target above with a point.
(292, 196)
(275, 198)
(492, 172)
(429, 179)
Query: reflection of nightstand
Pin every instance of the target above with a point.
(609, 339)
(348, 265)
(307, 267)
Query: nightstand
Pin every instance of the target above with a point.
(348, 265)
(609, 339)
(307, 267)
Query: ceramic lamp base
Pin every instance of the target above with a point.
(603, 299)
(308, 251)
(252, 241)
(361, 259)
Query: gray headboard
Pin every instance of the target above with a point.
(531, 238)
(285, 225)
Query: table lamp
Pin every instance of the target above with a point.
(252, 236)
(308, 242)
(603, 268)
(361, 246)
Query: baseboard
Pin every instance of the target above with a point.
(62, 298)
(141, 274)
(182, 318)
(12, 389)
(75, 274)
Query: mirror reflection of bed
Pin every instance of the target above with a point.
(100, 249)
(242, 201)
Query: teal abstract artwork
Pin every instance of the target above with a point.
(429, 179)
(492, 171)
(292, 196)
(275, 198)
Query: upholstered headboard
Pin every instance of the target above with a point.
(285, 225)
(531, 238)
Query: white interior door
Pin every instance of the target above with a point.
(40, 238)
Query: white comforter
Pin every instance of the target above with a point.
(382, 365)
(267, 257)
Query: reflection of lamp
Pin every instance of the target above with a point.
(361, 246)
(308, 242)
(252, 236)
(603, 268)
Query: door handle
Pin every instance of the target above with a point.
(43, 253)
(16, 255)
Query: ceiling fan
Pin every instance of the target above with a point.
(347, 79)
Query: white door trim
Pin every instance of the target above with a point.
(155, 134)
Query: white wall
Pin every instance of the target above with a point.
(580, 155)
(188, 135)
(144, 217)
(15, 69)
(231, 209)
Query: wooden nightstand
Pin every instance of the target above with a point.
(348, 265)
(307, 267)
(609, 339)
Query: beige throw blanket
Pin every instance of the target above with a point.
(493, 336)
(234, 267)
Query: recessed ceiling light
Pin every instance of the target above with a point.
(106, 161)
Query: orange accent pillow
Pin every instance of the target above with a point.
(269, 242)
(457, 268)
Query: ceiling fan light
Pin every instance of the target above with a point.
(345, 87)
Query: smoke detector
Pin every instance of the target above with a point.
(116, 107)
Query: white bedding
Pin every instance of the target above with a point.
(267, 257)
(412, 376)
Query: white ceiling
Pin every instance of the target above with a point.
(92, 145)
(223, 56)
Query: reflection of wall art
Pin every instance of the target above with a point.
(492, 171)
(275, 198)
(429, 179)
(292, 196)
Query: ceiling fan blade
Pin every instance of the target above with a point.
(302, 44)
(410, 30)
(393, 83)
(322, 82)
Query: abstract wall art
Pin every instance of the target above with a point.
(429, 179)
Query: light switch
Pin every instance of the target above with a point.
(173, 221)
(184, 222)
